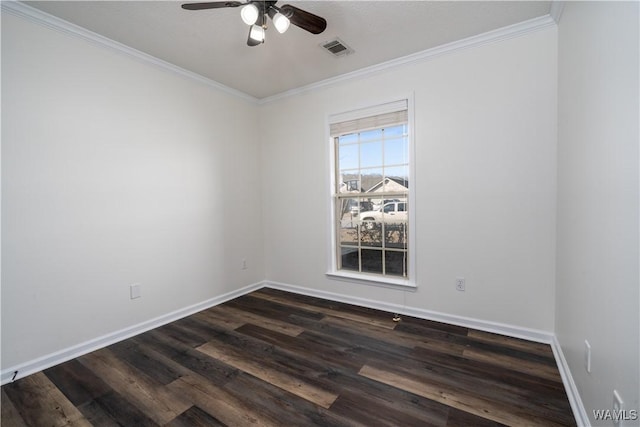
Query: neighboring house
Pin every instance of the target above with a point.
(390, 184)
(372, 184)
(395, 185)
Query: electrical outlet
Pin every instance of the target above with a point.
(244, 264)
(460, 284)
(618, 408)
(135, 291)
(587, 356)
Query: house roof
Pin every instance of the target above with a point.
(400, 181)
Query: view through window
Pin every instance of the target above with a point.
(371, 197)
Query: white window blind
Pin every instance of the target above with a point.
(389, 114)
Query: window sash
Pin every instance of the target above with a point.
(380, 195)
(378, 117)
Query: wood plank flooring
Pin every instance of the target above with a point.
(272, 358)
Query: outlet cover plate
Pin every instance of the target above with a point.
(618, 407)
(135, 291)
(587, 356)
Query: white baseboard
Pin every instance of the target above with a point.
(64, 355)
(579, 412)
(45, 362)
(499, 328)
(483, 325)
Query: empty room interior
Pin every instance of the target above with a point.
(362, 213)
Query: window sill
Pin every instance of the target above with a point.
(370, 279)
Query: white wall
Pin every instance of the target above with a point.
(485, 132)
(597, 275)
(115, 172)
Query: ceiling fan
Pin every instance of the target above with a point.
(254, 13)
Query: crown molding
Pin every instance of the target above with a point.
(37, 16)
(516, 30)
(556, 10)
(504, 33)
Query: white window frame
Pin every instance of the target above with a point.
(372, 278)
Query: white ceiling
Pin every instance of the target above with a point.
(212, 43)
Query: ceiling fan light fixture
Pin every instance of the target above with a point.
(257, 33)
(256, 13)
(281, 22)
(249, 14)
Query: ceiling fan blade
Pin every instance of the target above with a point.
(303, 19)
(211, 5)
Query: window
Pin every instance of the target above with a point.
(371, 194)
(351, 185)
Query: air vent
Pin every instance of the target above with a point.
(337, 47)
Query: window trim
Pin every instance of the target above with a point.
(364, 278)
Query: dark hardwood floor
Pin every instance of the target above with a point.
(273, 358)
